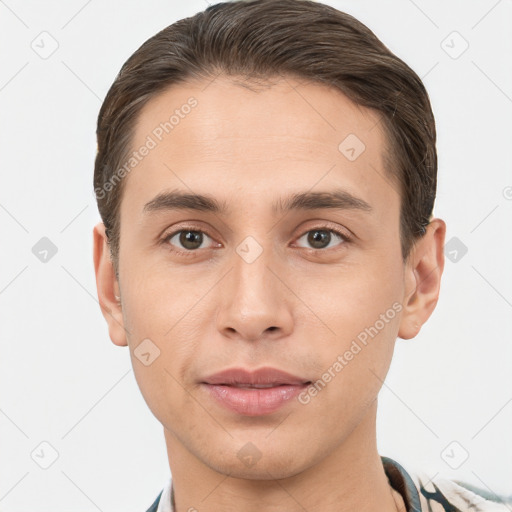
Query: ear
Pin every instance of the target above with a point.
(422, 279)
(108, 287)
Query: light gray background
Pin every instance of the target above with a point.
(63, 381)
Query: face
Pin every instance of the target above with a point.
(291, 260)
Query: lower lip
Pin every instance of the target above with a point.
(254, 401)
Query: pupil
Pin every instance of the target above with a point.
(319, 239)
(191, 239)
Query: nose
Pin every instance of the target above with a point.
(255, 304)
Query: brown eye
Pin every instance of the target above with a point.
(322, 238)
(187, 239)
(319, 239)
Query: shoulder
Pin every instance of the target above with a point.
(443, 494)
(440, 494)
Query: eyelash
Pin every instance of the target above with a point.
(188, 253)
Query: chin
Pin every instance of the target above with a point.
(268, 464)
(260, 471)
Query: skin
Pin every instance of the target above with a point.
(296, 307)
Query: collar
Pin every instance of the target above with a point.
(401, 482)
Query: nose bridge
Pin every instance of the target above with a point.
(254, 302)
(252, 287)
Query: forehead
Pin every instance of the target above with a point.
(225, 110)
(212, 134)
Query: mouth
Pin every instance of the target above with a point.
(257, 393)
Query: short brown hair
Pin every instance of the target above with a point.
(261, 39)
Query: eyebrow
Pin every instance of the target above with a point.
(335, 199)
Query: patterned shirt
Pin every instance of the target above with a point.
(420, 494)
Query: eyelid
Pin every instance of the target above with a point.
(322, 225)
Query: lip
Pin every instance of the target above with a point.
(262, 376)
(241, 390)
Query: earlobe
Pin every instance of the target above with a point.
(423, 279)
(108, 287)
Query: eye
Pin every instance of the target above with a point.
(187, 239)
(323, 238)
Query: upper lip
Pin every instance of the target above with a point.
(262, 377)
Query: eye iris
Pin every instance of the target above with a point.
(191, 239)
(319, 239)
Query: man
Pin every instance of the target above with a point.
(266, 174)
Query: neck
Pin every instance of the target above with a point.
(349, 477)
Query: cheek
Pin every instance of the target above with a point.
(160, 361)
(357, 312)
(354, 360)
(346, 301)
(172, 309)
(158, 297)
